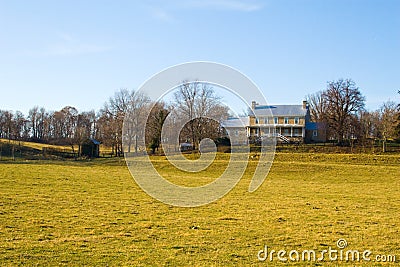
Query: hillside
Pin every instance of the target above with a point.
(31, 150)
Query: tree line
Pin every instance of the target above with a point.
(192, 102)
(340, 109)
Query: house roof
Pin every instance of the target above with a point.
(280, 110)
(236, 122)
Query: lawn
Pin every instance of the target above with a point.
(93, 213)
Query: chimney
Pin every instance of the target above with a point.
(253, 105)
(305, 104)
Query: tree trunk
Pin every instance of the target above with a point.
(136, 143)
(129, 144)
(384, 145)
(73, 150)
(13, 152)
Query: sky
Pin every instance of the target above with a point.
(79, 53)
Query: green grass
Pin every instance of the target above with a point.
(93, 213)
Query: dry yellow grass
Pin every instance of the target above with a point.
(93, 213)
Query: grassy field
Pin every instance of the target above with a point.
(34, 145)
(93, 213)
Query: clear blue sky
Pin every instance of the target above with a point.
(58, 53)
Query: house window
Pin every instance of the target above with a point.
(286, 131)
(315, 133)
(286, 120)
(296, 120)
(266, 121)
(275, 120)
(257, 121)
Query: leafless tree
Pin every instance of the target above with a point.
(34, 121)
(135, 120)
(317, 104)
(84, 128)
(105, 130)
(126, 105)
(113, 114)
(2, 124)
(18, 125)
(368, 128)
(387, 122)
(343, 101)
(318, 110)
(398, 120)
(198, 104)
(154, 125)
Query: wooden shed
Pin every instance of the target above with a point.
(91, 148)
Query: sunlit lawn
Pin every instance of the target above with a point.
(93, 213)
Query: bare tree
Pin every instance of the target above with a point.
(343, 102)
(18, 125)
(84, 128)
(139, 105)
(368, 128)
(113, 116)
(41, 117)
(34, 121)
(8, 123)
(318, 106)
(198, 104)
(105, 129)
(387, 122)
(398, 120)
(318, 110)
(154, 125)
(126, 105)
(2, 124)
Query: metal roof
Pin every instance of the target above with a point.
(236, 122)
(94, 141)
(280, 110)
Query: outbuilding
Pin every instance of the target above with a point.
(90, 148)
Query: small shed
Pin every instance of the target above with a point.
(90, 148)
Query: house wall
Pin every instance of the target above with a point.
(320, 138)
(289, 129)
(281, 120)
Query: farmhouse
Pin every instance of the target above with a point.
(289, 123)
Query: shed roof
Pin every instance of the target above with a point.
(94, 141)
